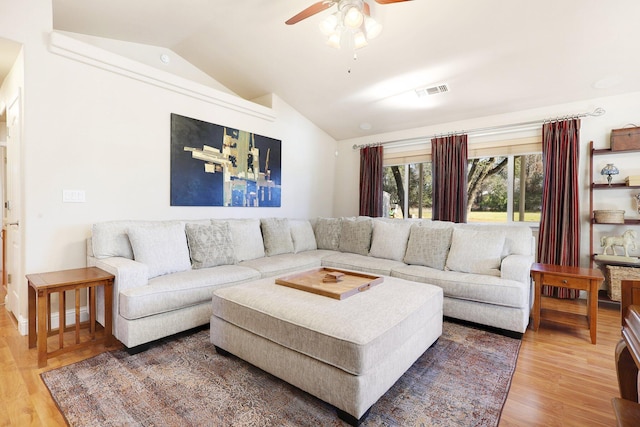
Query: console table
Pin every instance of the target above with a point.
(42, 285)
(584, 279)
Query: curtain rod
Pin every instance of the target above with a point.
(595, 113)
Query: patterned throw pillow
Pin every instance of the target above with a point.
(277, 236)
(355, 235)
(476, 251)
(327, 231)
(210, 245)
(428, 246)
(389, 239)
(163, 248)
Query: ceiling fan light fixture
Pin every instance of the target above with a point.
(334, 39)
(359, 40)
(372, 27)
(353, 17)
(329, 24)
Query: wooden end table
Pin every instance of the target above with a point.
(584, 279)
(44, 284)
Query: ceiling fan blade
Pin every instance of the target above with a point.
(365, 9)
(390, 1)
(310, 11)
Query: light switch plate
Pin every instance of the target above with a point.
(73, 196)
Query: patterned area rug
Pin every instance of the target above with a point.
(462, 380)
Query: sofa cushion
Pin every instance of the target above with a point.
(355, 235)
(282, 264)
(210, 244)
(276, 233)
(428, 246)
(363, 263)
(162, 247)
(247, 238)
(180, 290)
(476, 251)
(327, 232)
(389, 239)
(518, 237)
(468, 286)
(302, 235)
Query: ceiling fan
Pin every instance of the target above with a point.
(352, 16)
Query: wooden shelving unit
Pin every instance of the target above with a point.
(603, 297)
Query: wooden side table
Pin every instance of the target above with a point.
(44, 284)
(584, 279)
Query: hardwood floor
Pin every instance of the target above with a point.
(561, 379)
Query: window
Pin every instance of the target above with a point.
(505, 188)
(408, 188)
(500, 189)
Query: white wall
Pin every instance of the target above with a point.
(86, 128)
(620, 111)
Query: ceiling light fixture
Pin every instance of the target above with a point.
(351, 26)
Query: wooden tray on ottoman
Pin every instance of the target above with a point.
(349, 282)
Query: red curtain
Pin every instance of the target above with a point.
(371, 181)
(559, 239)
(449, 156)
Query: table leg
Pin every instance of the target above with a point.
(62, 317)
(108, 313)
(42, 328)
(77, 295)
(92, 311)
(593, 310)
(32, 317)
(537, 300)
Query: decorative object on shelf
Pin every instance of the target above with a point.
(633, 180)
(626, 240)
(624, 139)
(637, 197)
(614, 276)
(608, 171)
(609, 216)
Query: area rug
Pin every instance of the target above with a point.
(462, 380)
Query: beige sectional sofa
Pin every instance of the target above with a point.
(167, 271)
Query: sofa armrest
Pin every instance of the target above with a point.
(128, 274)
(516, 267)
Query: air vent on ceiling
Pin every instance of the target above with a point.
(432, 90)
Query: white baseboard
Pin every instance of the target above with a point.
(23, 323)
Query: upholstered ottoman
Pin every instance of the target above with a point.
(346, 352)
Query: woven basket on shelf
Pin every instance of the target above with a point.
(609, 216)
(615, 275)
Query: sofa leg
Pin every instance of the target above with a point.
(350, 419)
(222, 352)
(138, 349)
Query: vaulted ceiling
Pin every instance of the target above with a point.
(495, 56)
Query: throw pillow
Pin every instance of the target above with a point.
(327, 232)
(277, 236)
(109, 239)
(355, 235)
(428, 246)
(210, 245)
(389, 239)
(247, 238)
(302, 235)
(476, 251)
(163, 248)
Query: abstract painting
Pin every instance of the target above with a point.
(213, 165)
